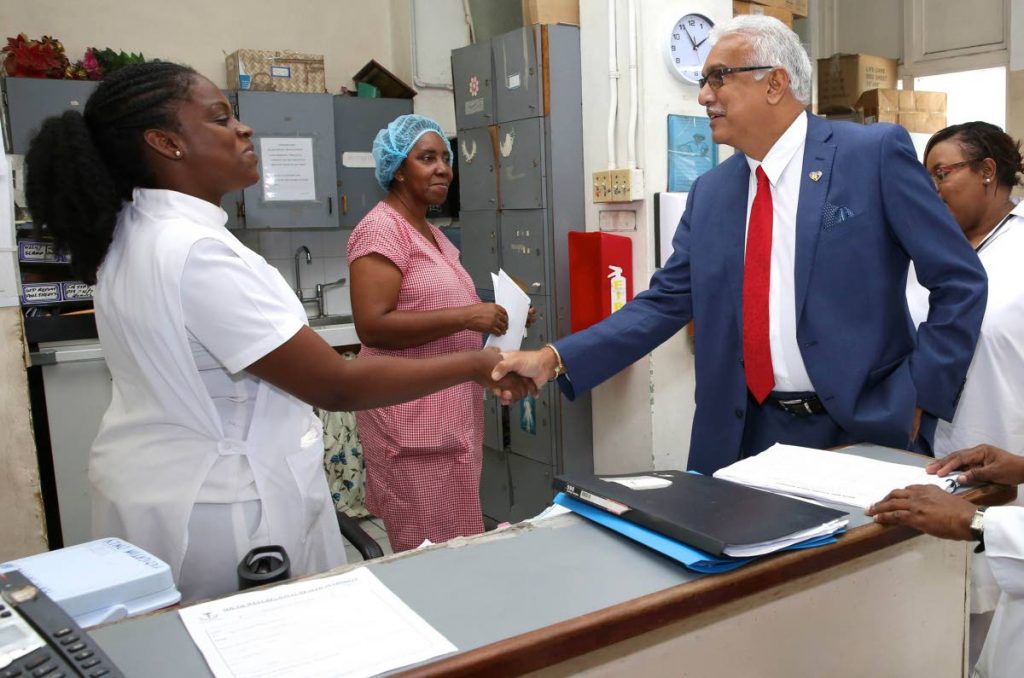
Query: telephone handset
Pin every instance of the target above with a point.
(38, 638)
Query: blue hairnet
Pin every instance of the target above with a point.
(394, 142)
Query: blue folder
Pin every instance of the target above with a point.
(694, 559)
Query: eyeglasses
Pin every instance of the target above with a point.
(940, 172)
(716, 78)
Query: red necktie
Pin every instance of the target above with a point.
(757, 268)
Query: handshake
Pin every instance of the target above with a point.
(517, 374)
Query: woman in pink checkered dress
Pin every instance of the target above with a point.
(412, 298)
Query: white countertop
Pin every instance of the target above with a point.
(90, 349)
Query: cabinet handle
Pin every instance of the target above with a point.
(330, 205)
(344, 204)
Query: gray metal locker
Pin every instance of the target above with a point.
(29, 101)
(519, 88)
(356, 123)
(531, 490)
(493, 436)
(472, 78)
(480, 246)
(540, 332)
(495, 481)
(478, 178)
(521, 157)
(530, 428)
(233, 202)
(286, 125)
(526, 249)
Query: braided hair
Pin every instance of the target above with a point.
(981, 140)
(81, 167)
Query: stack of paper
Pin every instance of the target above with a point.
(838, 478)
(516, 303)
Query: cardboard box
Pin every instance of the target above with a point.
(783, 15)
(268, 71)
(551, 12)
(842, 78)
(797, 7)
(917, 110)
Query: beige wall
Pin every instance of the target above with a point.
(199, 32)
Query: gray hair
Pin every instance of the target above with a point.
(772, 44)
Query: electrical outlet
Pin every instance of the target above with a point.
(618, 185)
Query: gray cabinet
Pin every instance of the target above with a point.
(523, 167)
(356, 123)
(472, 79)
(519, 87)
(478, 179)
(29, 101)
(294, 138)
(526, 249)
(480, 246)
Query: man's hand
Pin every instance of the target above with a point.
(982, 463)
(538, 365)
(509, 388)
(928, 509)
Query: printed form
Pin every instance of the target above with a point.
(297, 630)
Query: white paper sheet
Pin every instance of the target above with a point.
(287, 169)
(296, 630)
(829, 476)
(516, 303)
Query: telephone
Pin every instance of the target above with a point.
(37, 638)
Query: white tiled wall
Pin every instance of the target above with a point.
(327, 249)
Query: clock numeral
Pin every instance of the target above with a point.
(692, 22)
(677, 60)
(673, 48)
(675, 36)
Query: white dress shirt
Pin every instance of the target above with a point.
(1003, 654)
(783, 165)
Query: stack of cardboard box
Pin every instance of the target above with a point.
(862, 88)
(551, 12)
(783, 10)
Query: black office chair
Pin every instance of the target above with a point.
(366, 545)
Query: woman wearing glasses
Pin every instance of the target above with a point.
(975, 166)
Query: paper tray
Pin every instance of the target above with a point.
(101, 581)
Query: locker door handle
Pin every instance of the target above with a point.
(344, 204)
(330, 205)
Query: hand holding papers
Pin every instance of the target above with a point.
(291, 631)
(516, 303)
(828, 476)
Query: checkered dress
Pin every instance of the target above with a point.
(423, 458)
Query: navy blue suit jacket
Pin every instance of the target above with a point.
(872, 210)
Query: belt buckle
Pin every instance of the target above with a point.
(798, 406)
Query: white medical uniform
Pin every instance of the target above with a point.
(990, 408)
(182, 308)
(1003, 654)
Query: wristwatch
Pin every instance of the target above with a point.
(978, 528)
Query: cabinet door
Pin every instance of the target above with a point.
(531, 433)
(356, 123)
(30, 101)
(524, 249)
(294, 137)
(523, 168)
(517, 77)
(531, 490)
(495, 481)
(480, 246)
(472, 74)
(478, 181)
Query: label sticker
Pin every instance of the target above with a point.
(281, 71)
(358, 160)
(513, 81)
(527, 415)
(474, 106)
(641, 482)
(73, 291)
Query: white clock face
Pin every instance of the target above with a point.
(688, 46)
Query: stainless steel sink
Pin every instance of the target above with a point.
(326, 320)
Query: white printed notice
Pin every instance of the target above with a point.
(292, 630)
(287, 166)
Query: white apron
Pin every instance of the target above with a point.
(162, 434)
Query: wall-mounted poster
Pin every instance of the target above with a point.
(691, 152)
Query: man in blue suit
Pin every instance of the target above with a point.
(791, 258)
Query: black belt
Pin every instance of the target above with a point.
(801, 407)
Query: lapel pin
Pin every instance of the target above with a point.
(815, 175)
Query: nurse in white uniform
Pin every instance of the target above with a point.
(999, 531)
(209, 446)
(975, 167)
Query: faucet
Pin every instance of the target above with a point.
(321, 301)
(298, 276)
